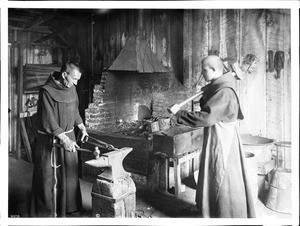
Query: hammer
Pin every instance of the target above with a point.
(236, 72)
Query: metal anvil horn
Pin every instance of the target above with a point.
(112, 163)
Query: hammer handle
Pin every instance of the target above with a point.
(190, 99)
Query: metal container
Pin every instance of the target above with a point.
(283, 151)
(251, 164)
(153, 126)
(164, 123)
(261, 147)
(279, 194)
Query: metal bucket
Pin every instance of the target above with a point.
(153, 126)
(283, 149)
(251, 164)
(164, 123)
(261, 147)
(279, 194)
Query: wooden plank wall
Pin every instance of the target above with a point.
(235, 34)
(20, 54)
(253, 86)
(111, 31)
(232, 33)
(279, 88)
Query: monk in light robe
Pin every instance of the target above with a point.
(223, 188)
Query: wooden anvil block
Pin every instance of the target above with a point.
(115, 200)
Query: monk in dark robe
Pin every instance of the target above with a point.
(223, 188)
(58, 114)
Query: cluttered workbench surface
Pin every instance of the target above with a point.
(178, 140)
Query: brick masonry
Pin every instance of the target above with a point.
(119, 95)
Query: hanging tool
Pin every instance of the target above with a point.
(278, 63)
(270, 61)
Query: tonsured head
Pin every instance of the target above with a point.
(70, 73)
(212, 67)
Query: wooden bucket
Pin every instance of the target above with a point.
(279, 194)
(251, 164)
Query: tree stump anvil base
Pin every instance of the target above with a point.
(116, 199)
(113, 193)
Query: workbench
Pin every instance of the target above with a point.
(177, 145)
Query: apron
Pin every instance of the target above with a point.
(223, 187)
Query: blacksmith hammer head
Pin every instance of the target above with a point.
(237, 70)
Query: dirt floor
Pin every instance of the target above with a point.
(153, 205)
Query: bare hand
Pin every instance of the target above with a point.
(84, 136)
(70, 145)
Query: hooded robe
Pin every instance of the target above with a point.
(57, 113)
(223, 188)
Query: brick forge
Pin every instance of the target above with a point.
(101, 112)
(119, 95)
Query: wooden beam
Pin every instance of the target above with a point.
(40, 44)
(39, 29)
(45, 38)
(64, 40)
(19, 19)
(43, 18)
(25, 140)
(20, 95)
(187, 47)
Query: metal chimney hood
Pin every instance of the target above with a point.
(137, 56)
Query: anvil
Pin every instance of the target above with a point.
(112, 164)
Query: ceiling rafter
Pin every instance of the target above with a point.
(56, 33)
(40, 20)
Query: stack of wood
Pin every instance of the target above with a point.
(35, 75)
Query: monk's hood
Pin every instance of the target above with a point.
(59, 93)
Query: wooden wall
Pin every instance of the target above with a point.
(233, 34)
(180, 39)
(238, 34)
(162, 29)
(22, 51)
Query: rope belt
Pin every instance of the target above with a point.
(69, 131)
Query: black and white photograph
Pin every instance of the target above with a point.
(150, 113)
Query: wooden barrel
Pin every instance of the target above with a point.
(279, 194)
(251, 169)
